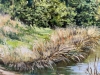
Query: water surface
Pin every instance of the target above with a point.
(74, 69)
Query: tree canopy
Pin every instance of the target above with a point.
(51, 13)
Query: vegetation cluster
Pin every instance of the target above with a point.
(26, 48)
(53, 13)
(25, 45)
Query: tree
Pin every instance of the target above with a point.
(85, 9)
(42, 13)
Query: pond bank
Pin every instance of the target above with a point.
(71, 44)
(4, 71)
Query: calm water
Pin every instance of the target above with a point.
(75, 69)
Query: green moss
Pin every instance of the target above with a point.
(15, 43)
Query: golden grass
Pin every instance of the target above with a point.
(64, 45)
(76, 36)
(4, 19)
(93, 69)
(7, 25)
(69, 44)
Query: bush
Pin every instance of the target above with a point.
(42, 13)
(86, 11)
(52, 13)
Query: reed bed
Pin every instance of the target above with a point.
(72, 44)
(93, 70)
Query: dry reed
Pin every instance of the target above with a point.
(93, 70)
(71, 44)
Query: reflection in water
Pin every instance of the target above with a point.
(75, 69)
(78, 69)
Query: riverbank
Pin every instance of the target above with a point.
(4, 71)
(27, 48)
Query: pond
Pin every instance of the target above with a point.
(74, 69)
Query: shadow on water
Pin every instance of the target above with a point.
(73, 69)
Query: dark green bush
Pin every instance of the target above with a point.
(52, 13)
(86, 11)
(45, 13)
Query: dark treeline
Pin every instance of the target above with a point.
(52, 13)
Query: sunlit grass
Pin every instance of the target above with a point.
(29, 47)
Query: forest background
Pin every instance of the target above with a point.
(53, 13)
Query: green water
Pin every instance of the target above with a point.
(75, 69)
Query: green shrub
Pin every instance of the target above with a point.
(86, 11)
(42, 13)
(52, 13)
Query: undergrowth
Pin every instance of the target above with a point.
(27, 48)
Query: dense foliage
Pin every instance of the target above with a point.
(86, 11)
(26, 48)
(52, 13)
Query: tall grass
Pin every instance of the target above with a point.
(93, 70)
(27, 48)
(70, 44)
